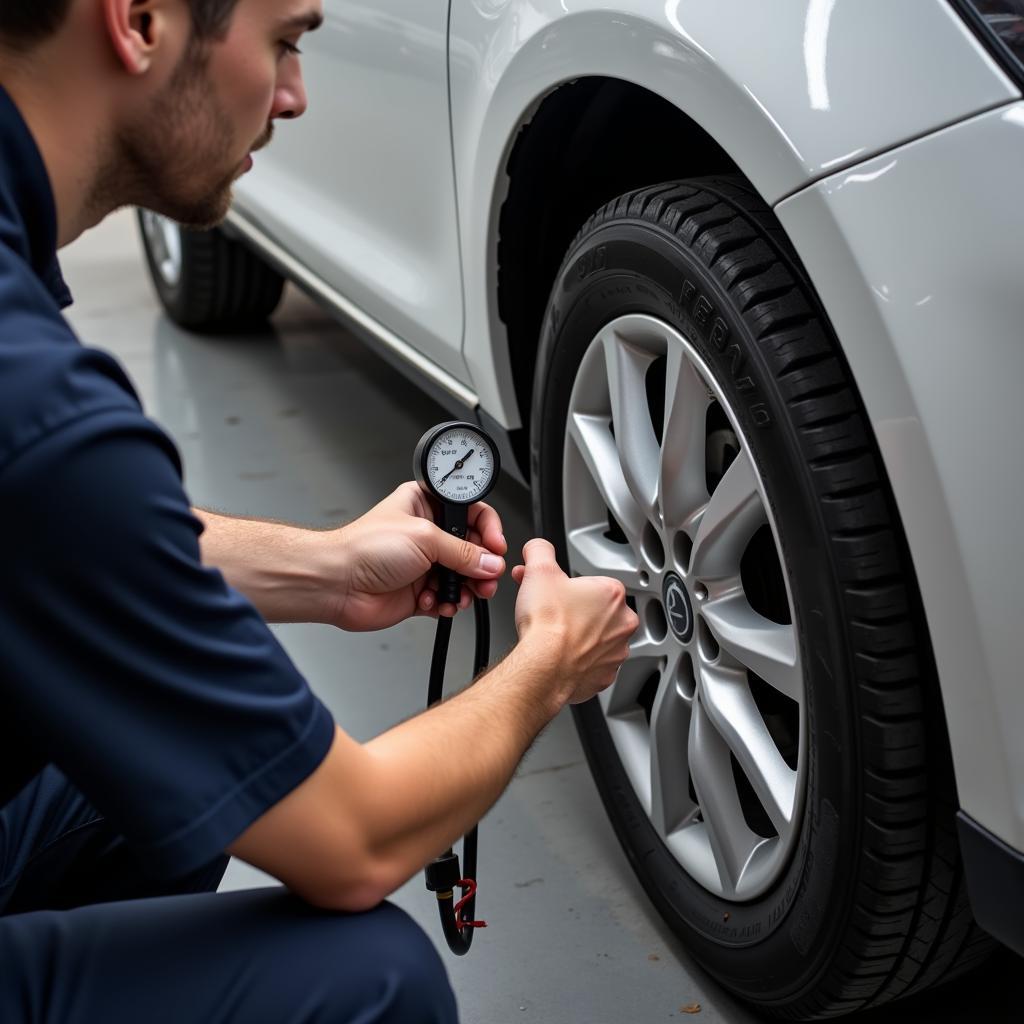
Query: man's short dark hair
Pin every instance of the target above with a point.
(24, 23)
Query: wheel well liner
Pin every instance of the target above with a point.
(587, 142)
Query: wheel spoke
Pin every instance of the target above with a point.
(597, 447)
(643, 645)
(670, 723)
(621, 697)
(646, 655)
(711, 770)
(591, 553)
(683, 485)
(731, 518)
(639, 454)
(767, 648)
(728, 703)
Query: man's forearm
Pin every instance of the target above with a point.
(373, 814)
(268, 562)
(444, 769)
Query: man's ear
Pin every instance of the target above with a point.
(141, 30)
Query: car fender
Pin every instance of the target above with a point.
(916, 256)
(782, 88)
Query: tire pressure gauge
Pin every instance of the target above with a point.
(457, 464)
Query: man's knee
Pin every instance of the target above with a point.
(407, 981)
(378, 967)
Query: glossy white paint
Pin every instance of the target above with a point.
(423, 368)
(791, 89)
(917, 255)
(361, 190)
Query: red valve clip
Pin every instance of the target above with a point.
(468, 886)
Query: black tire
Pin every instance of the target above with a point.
(222, 286)
(872, 905)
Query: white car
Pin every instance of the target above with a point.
(738, 286)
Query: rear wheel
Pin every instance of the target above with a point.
(772, 755)
(205, 280)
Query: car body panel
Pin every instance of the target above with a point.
(361, 189)
(917, 256)
(783, 87)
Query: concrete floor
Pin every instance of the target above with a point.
(305, 424)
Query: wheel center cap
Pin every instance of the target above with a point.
(677, 608)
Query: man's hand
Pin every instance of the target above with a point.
(383, 561)
(582, 624)
(370, 574)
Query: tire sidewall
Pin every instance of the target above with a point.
(171, 295)
(772, 947)
(224, 287)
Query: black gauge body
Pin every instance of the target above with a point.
(457, 464)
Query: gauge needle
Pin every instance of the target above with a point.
(458, 465)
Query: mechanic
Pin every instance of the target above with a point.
(149, 722)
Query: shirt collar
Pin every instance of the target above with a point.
(28, 216)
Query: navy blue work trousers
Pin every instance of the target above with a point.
(87, 937)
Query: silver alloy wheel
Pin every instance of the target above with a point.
(687, 711)
(164, 239)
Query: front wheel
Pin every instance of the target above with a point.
(772, 754)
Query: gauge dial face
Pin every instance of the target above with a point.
(459, 465)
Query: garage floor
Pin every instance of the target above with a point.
(305, 424)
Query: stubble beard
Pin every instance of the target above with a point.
(176, 160)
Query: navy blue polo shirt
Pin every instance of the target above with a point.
(153, 685)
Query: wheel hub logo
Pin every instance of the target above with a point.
(677, 608)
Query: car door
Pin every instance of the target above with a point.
(361, 189)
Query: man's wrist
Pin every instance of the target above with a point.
(306, 574)
(539, 671)
(281, 568)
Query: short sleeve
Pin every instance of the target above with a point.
(156, 687)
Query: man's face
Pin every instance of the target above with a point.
(218, 107)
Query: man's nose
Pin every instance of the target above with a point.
(290, 97)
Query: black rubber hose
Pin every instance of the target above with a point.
(443, 875)
(438, 660)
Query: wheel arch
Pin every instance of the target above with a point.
(780, 123)
(517, 70)
(561, 167)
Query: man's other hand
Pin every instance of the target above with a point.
(582, 624)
